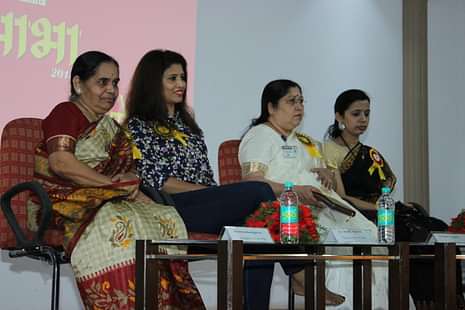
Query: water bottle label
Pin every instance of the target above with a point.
(385, 217)
(290, 229)
(289, 214)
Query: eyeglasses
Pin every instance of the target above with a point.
(296, 100)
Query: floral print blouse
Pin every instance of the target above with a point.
(175, 152)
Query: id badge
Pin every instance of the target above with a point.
(289, 151)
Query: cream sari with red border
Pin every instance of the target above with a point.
(101, 226)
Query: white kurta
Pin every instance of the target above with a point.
(288, 160)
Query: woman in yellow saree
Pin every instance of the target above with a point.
(85, 163)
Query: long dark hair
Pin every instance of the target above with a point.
(272, 93)
(343, 102)
(85, 66)
(145, 97)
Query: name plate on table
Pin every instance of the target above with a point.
(350, 236)
(445, 237)
(246, 234)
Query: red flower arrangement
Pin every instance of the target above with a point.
(267, 215)
(457, 224)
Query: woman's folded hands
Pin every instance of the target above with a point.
(305, 193)
(133, 189)
(326, 177)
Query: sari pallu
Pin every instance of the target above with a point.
(364, 171)
(101, 226)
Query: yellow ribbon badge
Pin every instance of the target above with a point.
(136, 153)
(180, 136)
(311, 148)
(171, 133)
(377, 164)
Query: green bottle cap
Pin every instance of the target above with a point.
(288, 185)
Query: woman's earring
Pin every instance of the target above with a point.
(342, 126)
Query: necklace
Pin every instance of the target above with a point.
(351, 149)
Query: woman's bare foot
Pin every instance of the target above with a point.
(331, 298)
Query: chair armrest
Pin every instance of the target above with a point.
(156, 195)
(45, 203)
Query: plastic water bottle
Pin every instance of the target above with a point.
(289, 214)
(386, 217)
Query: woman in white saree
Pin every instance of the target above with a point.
(273, 151)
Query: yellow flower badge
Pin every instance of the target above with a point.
(162, 131)
(311, 148)
(169, 133)
(378, 164)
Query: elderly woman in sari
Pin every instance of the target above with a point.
(364, 171)
(274, 151)
(86, 165)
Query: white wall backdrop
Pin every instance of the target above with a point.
(446, 61)
(325, 45)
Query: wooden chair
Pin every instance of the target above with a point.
(229, 171)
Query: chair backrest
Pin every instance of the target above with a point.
(17, 145)
(229, 168)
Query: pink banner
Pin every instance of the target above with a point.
(39, 40)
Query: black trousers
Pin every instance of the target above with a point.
(209, 210)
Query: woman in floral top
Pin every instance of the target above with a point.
(172, 156)
(171, 150)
